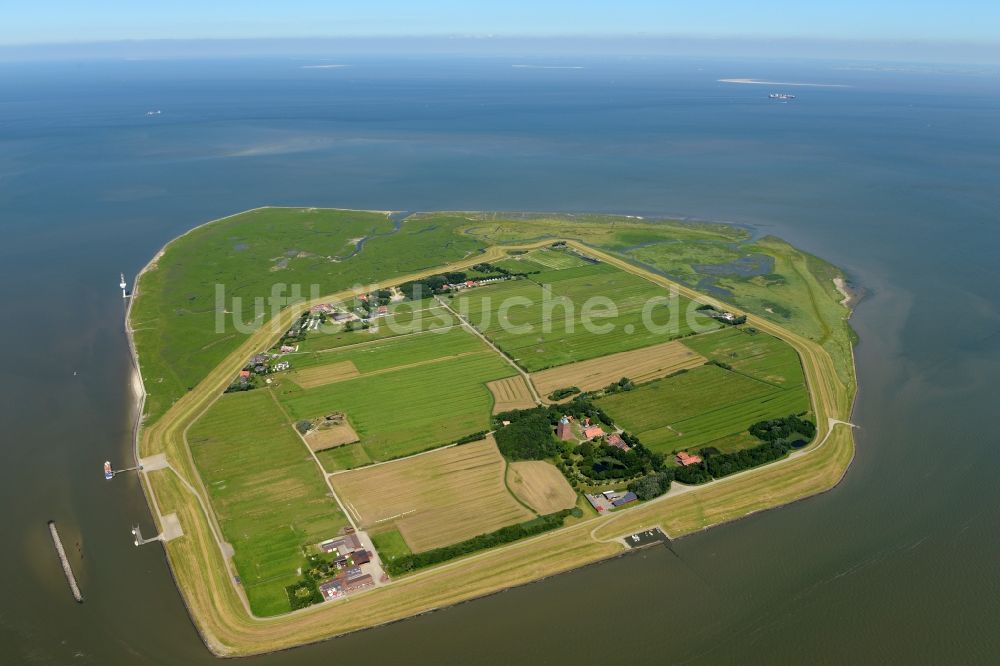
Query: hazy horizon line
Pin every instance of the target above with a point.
(626, 44)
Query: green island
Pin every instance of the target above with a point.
(406, 412)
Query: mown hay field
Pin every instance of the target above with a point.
(321, 375)
(510, 393)
(540, 485)
(574, 314)
(435, 499)
(268, 494)
(326, 436)
(639, 365)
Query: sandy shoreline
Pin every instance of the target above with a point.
(842, 288)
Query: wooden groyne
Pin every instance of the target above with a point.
(67, 569)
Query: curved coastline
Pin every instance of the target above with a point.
(222, 647)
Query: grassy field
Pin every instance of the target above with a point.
(540, 485)
(760, 356)
(175, 319)
(436, 499)
(391, 353)
(268, 494)
(410, 409)
(790, 287)
(343, 457)
(510, 393)
(639, 365)
(541, 331)
(204, 574)
(798, 291)
(699, 407)
(389, 544)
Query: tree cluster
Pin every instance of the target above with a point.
(428, 286)
(783, 428)
(652, 485)
(603, 462)
(529, 435)
(304, 593)
(622, 385)
(564, 392)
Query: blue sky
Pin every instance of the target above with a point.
(102, 20)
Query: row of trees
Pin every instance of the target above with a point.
(724, 464)
(472, 437)
(404, 563)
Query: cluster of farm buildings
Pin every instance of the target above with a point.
(262, 364)
(609, 499)
(468, 284)
(353, 564)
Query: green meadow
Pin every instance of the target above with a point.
(757, 355)
(706, 405)
(407, 410)
(268, 494)
(591, 310)
(378, 355)
(176, 316)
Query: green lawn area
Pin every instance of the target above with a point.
(407, 410)
(266, 490)
(758, 355)
(709, 405)
(395, 351)
(514, 315)
(555, 259)
(344, 457)
(390, 545)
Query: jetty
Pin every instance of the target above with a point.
(67, 569)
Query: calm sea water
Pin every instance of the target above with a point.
(893, 177)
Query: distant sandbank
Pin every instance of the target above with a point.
(759, 82)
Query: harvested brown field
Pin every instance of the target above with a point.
(510, 393)
(639, 365)
(541, 486)
(325, 374)
(330, 431)
(434, 499)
